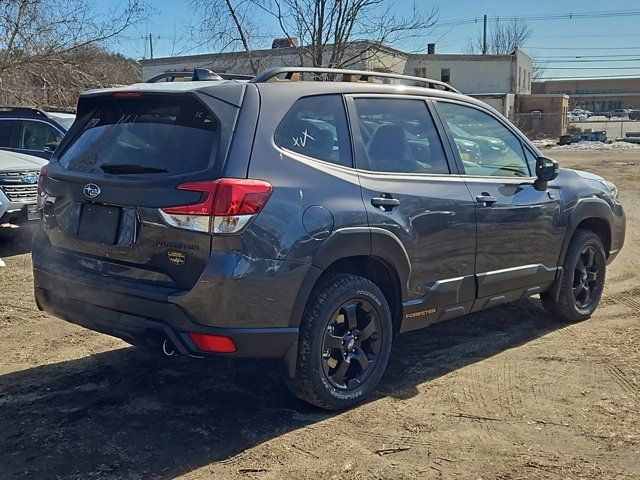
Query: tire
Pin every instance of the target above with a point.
(331, 372)
(582, 280)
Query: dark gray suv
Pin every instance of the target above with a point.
(309, 221)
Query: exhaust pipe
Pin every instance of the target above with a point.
(168, 349)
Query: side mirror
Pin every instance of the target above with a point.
(546, 170)
(51, 147)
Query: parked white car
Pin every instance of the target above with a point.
(581, 111)
(577, 117)
(19, 175)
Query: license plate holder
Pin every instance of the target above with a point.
(32, 212)
(99, 223)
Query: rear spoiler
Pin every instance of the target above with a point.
(199, 75)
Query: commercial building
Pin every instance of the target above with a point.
(476, 73)
(366, 56)
(595, 94)
(495, 74)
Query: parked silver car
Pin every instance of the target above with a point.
(19, 175)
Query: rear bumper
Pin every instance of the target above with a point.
(145, 317)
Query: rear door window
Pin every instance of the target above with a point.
(9, 133)
(400, 136)
(317, 127)
(170, 135)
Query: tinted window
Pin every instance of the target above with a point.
(139, 135)
(486, 146)
(35, 135)
(317, 127)
(8, 133)
(400, 136)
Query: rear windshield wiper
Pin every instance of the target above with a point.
(129, 169)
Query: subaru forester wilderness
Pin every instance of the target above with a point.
(310, 221)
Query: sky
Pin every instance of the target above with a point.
(581, 43)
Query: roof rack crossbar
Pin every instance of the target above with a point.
(348, 75)
(198, 74)
(16, 110)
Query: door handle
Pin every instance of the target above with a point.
(385, 203)
(486, 200)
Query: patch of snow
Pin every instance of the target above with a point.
(598, 146)
(546, 143)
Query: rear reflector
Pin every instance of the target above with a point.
(212, 343)
(226, 205)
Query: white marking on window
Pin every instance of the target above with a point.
(302, 141)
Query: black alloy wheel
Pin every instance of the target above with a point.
(587, 278)
(581, 284)
(344, 343)
(351, 344)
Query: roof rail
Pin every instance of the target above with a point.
(293, 74)
(199, 74)
(6, 111)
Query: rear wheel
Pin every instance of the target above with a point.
(344, 343)
(584, 271)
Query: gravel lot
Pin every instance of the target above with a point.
(506, 393)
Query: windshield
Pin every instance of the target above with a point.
(170, 135)
(66, 120)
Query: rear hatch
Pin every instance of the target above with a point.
(122, 161)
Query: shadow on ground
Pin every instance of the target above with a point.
(133, 414)
(15, 241)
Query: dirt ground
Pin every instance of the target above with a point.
(507, 393)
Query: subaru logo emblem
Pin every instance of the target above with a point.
(91, 190)
(30, 178)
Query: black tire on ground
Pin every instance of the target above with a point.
(344, 343)
(582, 281)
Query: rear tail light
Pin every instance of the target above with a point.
(212, 343)
(127, 95)
(225, 206)
(43, 173)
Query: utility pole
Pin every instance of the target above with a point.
(151, 45)
(484, 38)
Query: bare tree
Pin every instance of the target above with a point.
(227, 24)
(52, 45)
(332, 33)
(503, 38)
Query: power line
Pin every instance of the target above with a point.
(602, 57)
(600, 60)
(588, 77)
(583, 48)
(477, 20)
(553, 16)
(592, 68)
(590, 35)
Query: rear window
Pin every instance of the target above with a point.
(170, 135)
(317, 127)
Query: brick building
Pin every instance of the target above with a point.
(595, 94)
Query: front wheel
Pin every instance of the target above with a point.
(344, 343)
(584, 271)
